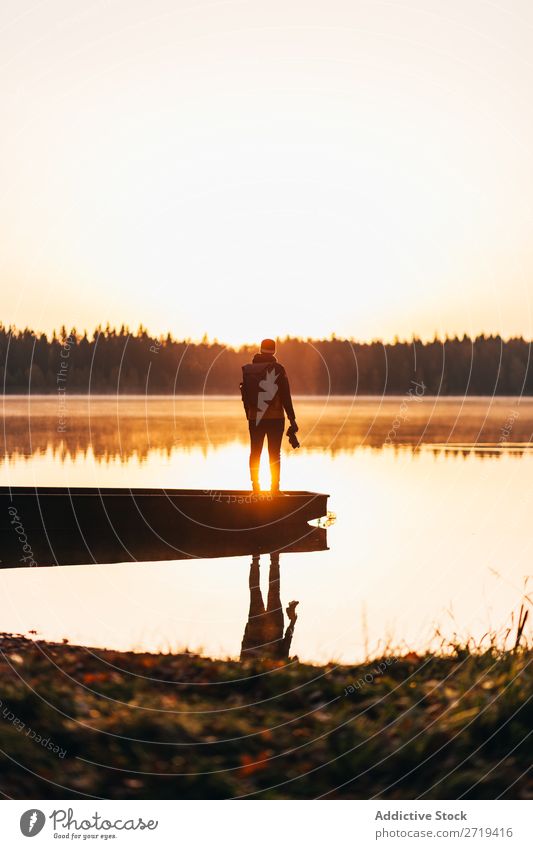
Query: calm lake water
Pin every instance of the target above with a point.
(433, 538)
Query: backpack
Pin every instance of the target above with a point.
(260, 391)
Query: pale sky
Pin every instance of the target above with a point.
(267, 168)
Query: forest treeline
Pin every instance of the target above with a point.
(111, 361)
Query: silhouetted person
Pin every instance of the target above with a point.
(266, 396)
(263, 634)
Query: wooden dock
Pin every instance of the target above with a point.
(59, 525)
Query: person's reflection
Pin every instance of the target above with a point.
(263, 634)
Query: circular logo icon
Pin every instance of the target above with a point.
(32, 822)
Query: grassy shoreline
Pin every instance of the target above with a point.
(180, 726)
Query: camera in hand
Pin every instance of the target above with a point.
(293, 439)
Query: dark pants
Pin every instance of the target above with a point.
(273, 430)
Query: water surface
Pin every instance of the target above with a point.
(433, 538)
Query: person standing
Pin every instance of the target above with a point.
(266, 397)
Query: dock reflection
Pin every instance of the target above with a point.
(56, 547)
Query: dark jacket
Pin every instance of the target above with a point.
(265, 389)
